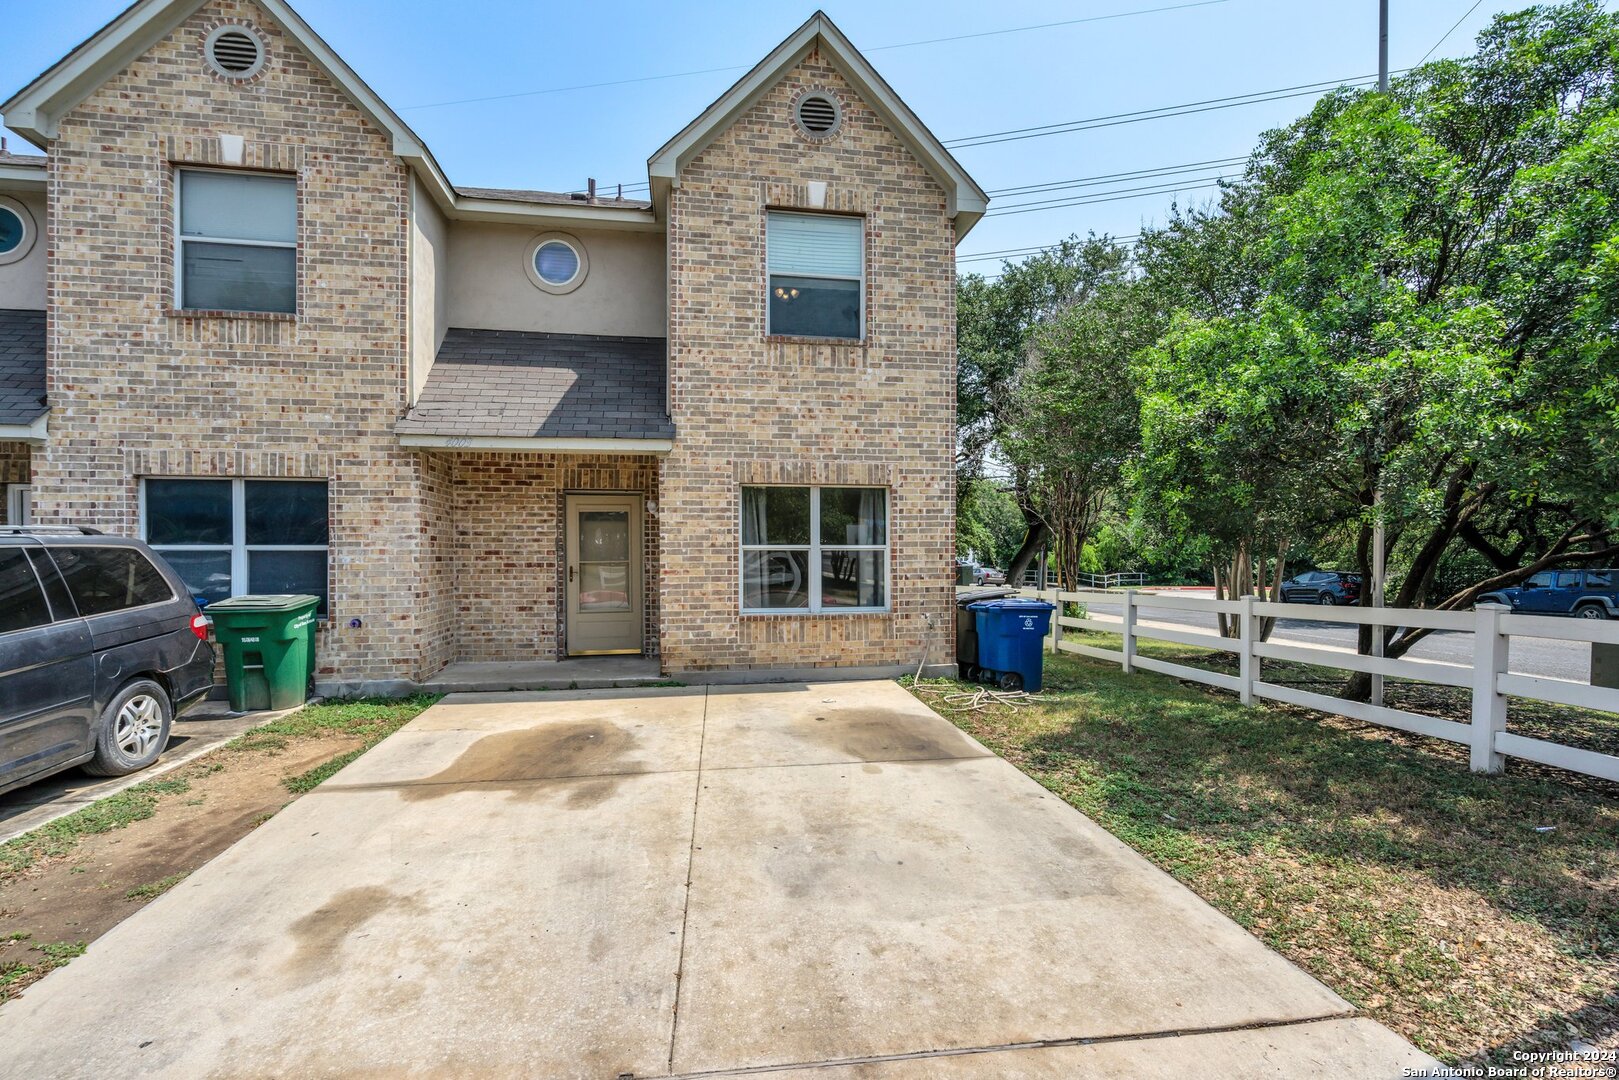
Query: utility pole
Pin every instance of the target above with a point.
(1383, 46)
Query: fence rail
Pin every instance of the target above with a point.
(1491, 685)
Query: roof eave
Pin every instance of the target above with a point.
(32, 433)
(511, 211)
(536, 444)
(29, 177)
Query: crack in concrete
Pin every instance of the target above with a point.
(691, 855)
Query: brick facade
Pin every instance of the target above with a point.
(14, 469)
(138, 389)
(750, 409)
(509, 559)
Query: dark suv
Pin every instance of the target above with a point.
(1588, 594)
(1322, 587)
(101, 646)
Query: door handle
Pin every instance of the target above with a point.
(570, 574)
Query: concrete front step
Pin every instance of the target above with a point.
(582, 673)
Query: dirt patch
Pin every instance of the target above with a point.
(109, 876)
(883, 735)
(583, 748)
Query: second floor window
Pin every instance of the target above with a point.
(238, 240)
(817, 274)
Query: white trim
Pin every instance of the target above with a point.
(19, 504)
(519, 442)
(32, 433)
(966, 200)
(814, 549)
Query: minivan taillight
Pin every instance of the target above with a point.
(199, 626)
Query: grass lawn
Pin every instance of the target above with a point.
(68, 882)
(1427, 896)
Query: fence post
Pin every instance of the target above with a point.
(1129, 631)
(1489, 704)
(1056, 627)
(1246, 658)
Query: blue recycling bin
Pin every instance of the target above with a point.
(1011, 641)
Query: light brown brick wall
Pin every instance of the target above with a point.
(509, 548)
(748, 409)
(14, 469)
(138, 389)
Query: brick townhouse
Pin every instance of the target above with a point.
(245, 315)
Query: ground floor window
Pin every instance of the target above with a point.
(814, 549)
(229, 537)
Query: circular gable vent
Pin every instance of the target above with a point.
(234, 52)
(818, 115)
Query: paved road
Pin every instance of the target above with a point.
(819, 880)
(1529, 656)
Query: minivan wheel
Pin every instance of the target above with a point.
(1591, 611)
(133, 731)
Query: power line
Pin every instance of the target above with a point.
(745, 67)
(1449, 32)
(1162, 112)
(1137, 174)
(1013, 253)
(1106, 197)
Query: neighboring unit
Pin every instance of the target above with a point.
(715, 426)
(1587, 594)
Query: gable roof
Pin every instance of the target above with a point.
(967, 201)
(36, 109)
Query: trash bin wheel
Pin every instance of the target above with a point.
(967, 672)
(1010, 680)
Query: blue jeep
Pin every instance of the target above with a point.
(1589, 594)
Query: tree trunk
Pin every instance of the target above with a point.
(1033, 540)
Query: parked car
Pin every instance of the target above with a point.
(1322, 587)
(101, 647)
(989, 575)
(1586, 594)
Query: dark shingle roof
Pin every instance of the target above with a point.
(552, 198)
(22, 366)
(514, 383)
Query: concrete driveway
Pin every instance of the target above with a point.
(823, 879)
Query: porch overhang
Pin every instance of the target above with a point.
(538, 445)
(33, 434)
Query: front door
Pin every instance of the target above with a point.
(603, 554)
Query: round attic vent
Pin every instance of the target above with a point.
(818, 115)
(234, 52)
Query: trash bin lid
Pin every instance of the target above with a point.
(264, 602)
(1013, 603)
(968, 598)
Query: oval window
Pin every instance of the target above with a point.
(556, 262)
(12, 230)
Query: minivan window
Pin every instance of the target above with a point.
(55, 592)
(104, 579)
(22, 603)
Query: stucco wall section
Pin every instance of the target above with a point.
(749, 409)
(429, 283)
(509, 548)
(623, 292)
(22, 283)
(137, 389)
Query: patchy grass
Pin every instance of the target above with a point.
(155, 889)
(1422, 893)
(369, 719)
(17, 974)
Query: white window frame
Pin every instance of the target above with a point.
(20, 504)
(769, 274)
(181, 240)
(239, 548)
(814, 548)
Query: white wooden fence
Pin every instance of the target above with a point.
(1487, 678)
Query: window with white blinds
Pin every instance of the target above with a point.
(816, 267)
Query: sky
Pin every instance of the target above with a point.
(427, 58)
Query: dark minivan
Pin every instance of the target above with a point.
(101, 646)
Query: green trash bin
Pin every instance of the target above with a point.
(269, 644)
